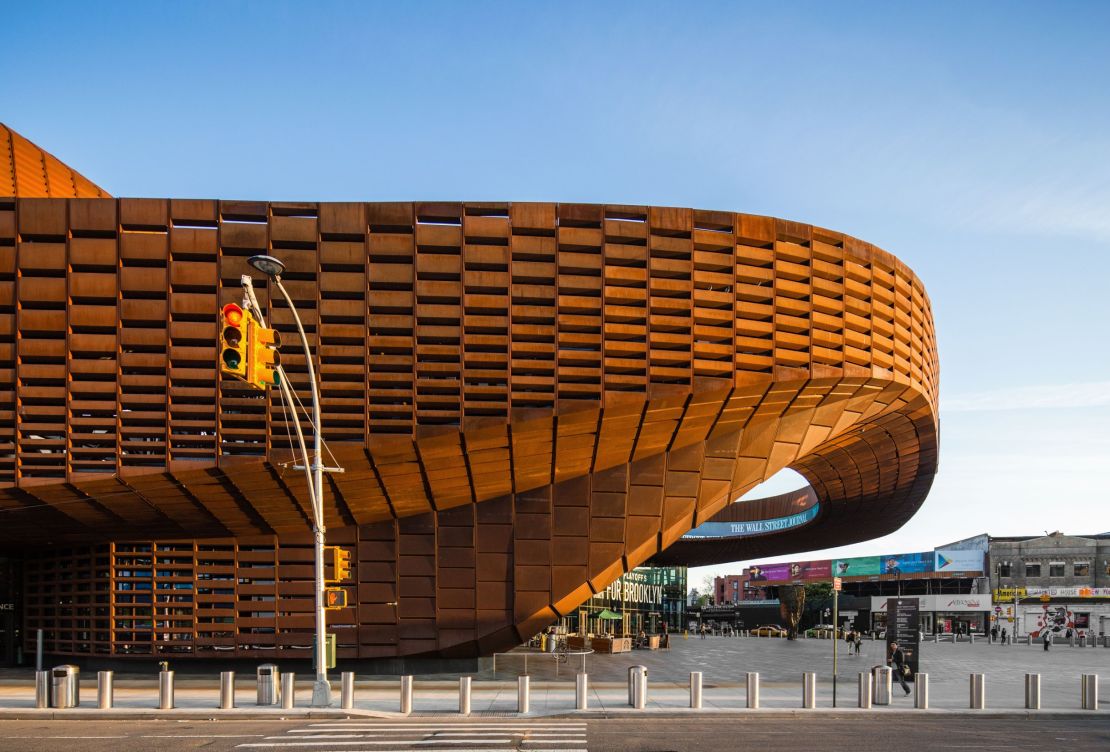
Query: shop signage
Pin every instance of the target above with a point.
(636, 587)
(1007, 594)
(940, 603)
(903, 626)
(751, 527)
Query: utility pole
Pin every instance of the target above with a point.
(835, 624)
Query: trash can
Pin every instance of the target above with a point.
(269, 684)
(65, 689)
(637, 686)
(882, 676)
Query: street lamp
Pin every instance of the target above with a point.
(273, 268)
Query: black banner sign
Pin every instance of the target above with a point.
(902, 626)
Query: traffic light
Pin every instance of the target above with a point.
(233, 341)
(341, 562)
(335, 598)
(264, 359)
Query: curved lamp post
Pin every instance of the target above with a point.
(321, 689)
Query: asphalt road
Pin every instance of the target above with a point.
(651, 733)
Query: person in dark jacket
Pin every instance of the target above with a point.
(1046, 637)
(897, 662)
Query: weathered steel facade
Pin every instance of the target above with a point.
(528, 399)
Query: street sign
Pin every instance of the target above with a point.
(837, 582)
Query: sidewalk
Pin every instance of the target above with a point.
(380, 699)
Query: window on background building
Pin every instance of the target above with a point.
(1082, 569)
(1032, 570)
(1056, 569)
(1004, 570)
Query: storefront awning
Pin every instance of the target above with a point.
(607, 614)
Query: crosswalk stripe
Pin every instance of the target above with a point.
(454, 735)
(328, 733)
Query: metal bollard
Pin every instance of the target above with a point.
(753, 690)
(1032, 691)
(936, 638)
(406, 695)
(972, 641)
(1088, 692)
(42, 689)
(1028, 639)
(978, 691)
(809, 690)
(523, 694)
(464, 695)
(347, 690)
(1071, 641)
(921, 691)
(288, 690)
(581, 685)
(864, 692)
(105, 689)
(695, 689)
(165, 690)
(227, 690)
(883, 678)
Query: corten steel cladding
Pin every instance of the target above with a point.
(528, 399)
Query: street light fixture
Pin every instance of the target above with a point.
(274, 268)
(268, 265)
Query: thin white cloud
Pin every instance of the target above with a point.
(1055, 396)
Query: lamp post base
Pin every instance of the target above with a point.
(321, 693)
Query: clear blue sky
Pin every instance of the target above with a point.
(972, 140)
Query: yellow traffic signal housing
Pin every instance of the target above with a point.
(335, 598)
(264, 360)
(341, 563)
(234, 322)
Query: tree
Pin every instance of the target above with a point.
(818, 599)
(792, 599)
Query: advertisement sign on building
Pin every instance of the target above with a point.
(908, 563)
(903, 627)
(859, 566)
(791, 571)
(958, 560)
(752, 527)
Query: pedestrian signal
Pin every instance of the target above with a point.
(233, 341)
(335, 598)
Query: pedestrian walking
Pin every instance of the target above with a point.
(994, 633)
(1046, 638)
(897, 661)
(858, 642)
(1004, 635)
(849, 637)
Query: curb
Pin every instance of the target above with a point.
(155, 714)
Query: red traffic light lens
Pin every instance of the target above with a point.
(233, 314)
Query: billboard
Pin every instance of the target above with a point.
(752, 527)
(859, 566)
(958, 560)
(791, 571)
(907, 563)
